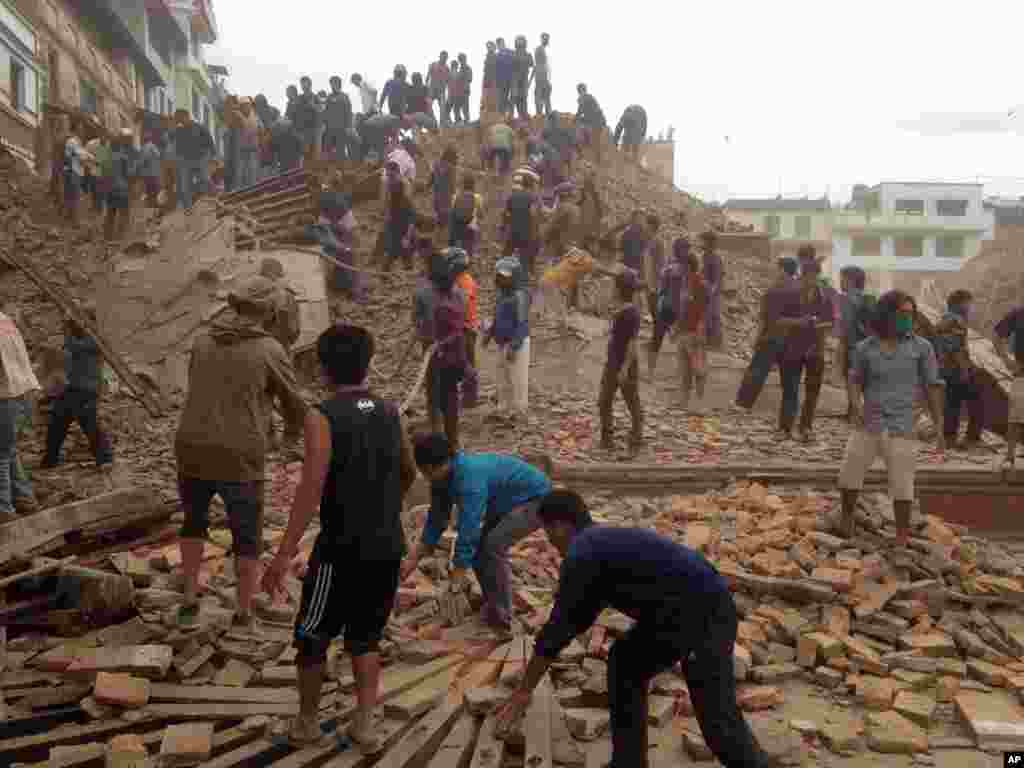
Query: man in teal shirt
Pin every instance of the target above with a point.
(497, 496)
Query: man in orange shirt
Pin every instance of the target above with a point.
(458, 263)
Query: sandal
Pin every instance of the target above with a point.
(368, 741)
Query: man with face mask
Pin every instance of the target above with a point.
(886, 373)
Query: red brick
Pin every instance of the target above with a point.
(121, 690)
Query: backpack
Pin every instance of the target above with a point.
(465, 207)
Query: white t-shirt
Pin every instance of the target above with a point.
(18, 377)
(368, 96)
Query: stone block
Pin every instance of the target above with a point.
(838, 579)
(775, 673)
(126, 751)
(875, 692)
(916, 707)
(836, 619)
(987, 673)
(995, 721)
(946, 689)
(828, 677)
(931, 644)
(843, 739)
(235, 674)
(186, 744)
(891, 733)
(782, 745)
(806, 652)
(121, 690)
(757, 697)
(147, 660)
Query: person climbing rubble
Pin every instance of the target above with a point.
(400, 224)
(467, 210)
(449, 363)
(356, 448)
(458, 264)
(335, 231)
(632, 130)
(499, 148)
(442, 184)
(887, 372)
(80, 395)
(18, 387)
(621, 368)
(590, 121)
(284, 321)
(236, 371)
(497, 497)
(684, 614)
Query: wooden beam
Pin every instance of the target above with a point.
(423, 739)
(424, 696)
(350, 758)
(221, 711)
(515, 664)
(206, 693)
(457, 750)
(537, 729)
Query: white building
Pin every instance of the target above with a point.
(910, 227)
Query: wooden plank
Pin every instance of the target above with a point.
(226, 693)
(564, 749)
(423, 739)
(457, 750)
(480, 674)
(424, 696)
(512, 672)
(352, 757)
(67, 303)
(490, 750)
(537, 729)
(59, 736)
(401, 678)
(221, 711)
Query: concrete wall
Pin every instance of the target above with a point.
(820, 221)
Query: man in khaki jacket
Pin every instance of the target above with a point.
(237, 370)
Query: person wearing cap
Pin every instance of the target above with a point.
(510, 330)
(713, 276)
(521, 220)
(621, 368)
(18, 387)
(541, 75)
(776, 304)
(79, 398)
(237, 369)
(286, 325)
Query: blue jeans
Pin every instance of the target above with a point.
(767, 354)
(14, 483)
(492, 569)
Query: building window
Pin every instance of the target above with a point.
(908, 247)
(951, 207)
(90, 100)
(803, 227)
(772, 225)
(910, 207)
(950, 247)
(867, 246)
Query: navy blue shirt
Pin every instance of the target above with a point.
(646, 576)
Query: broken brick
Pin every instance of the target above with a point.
(121, 690)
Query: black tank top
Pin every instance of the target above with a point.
(361, 506)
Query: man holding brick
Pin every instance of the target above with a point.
(683, 612)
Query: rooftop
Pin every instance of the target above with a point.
(779, 204)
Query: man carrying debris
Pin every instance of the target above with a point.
(356, 449)
(285, 324)
(622, 368)
(887, 372)
(957, 370)
(771, 337)
(542, 76)
(18, 384)
(497, 497)
(339, 121)
(684, 613)
(1011, 330)
(79, 400)
(400, 223)
(236, 371)
(632, 129)
(500, 147)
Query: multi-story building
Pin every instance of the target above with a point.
(19, 83)
(790, 223)
(104, 60)
(916, 227)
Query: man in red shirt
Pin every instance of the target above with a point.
(693, 334)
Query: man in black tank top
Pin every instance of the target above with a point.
(358, 467)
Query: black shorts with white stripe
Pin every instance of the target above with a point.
(344, 595)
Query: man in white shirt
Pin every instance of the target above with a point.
(17, 381)
(367, 93)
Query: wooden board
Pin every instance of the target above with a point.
(537, 729)
(490, 750)
(226, 693)
(457, 750)
(515, 664)
(221, 711)
(480, 674)
(351, 758)
(423, 739)
(423, 697)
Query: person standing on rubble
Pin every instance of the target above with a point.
(338, 118)
(693, 335)
(489, 91)
(448, 363)
(684, 614)
(1010, 330)
(714, 274)
(803, 354)
(671, 299)
(542, 76)
(563, 228)
(18, 388)
(776, 303)
(957, 370)
(335, 230)
(442, 184)
(79, 399)
(497, 497)
(367, 93)
(75, 156)
(653, 263)
(418, 111)
(190, 150)
(437, 81)
(521, 78)
(122, 169)
(149, 170)
(622, 368)
(236, 371)
(591, 209)
(504, 73)
(284, 321)
(464, 87)
(510, 330)
(396, 93)
(632, 130)
(634, 242)
(304, 112)
(458, 264)
(856, 309)
(356, 448)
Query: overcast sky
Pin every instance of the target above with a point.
(788, 97)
